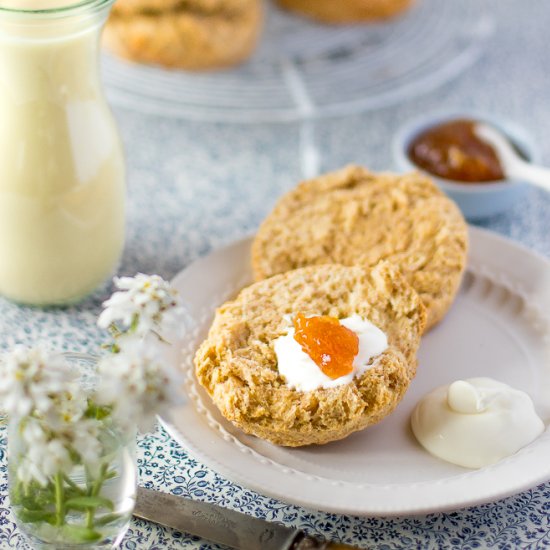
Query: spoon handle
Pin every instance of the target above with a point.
(514, 166)
(536, 175)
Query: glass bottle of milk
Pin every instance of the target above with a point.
(62, 189)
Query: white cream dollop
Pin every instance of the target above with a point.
(301, 372)
(475, 422)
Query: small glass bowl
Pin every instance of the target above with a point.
(476, 200)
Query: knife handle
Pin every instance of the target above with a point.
(311, 543)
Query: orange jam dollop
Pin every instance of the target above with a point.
(331, 346)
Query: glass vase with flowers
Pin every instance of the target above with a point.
(73, 418)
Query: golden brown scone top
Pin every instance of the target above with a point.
(356, 217)
(346, 11)
(153, 7)
(237, 364)
(191, 34)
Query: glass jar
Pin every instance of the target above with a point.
(62, 189)
(84, 504)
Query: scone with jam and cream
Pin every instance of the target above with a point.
(357, 217)
(312, 355)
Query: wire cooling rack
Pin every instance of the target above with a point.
(303, 70)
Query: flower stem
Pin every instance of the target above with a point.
(99, 481)
(59, 500)
(93, 490)
(71, 483)
(90, 518)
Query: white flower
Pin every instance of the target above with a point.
(144, 303)
(33, 433)
(28, 471)
(49, 452)
(30, 379)
(85, 440)
(44, 457)
(56, 458)
(49, 407)
(81, 436)
(68, 408)
(137, 383)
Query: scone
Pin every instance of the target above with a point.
(238, 367)
(346, 11)
(356, 217)
(194, 34)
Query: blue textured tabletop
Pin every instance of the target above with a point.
(194, 186)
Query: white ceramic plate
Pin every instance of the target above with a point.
(498, 327)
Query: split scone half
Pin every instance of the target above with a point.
(193, 35)
(238, 366)
(357, 217)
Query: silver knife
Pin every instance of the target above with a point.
(217, 524)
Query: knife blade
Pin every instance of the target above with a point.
(223, 526)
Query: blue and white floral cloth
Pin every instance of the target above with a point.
(517, 522)
(196, 186)
(521, 521)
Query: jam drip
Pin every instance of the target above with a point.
(330, 345)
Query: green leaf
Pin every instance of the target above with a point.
(77, 533)
(135, 323)
(71, 493)
(34, 516)
(30, 503)
(75, 457)
(109, 518)
(16, 494)
(96, 411)
(86, 502)
(72, 488)
(37, 500)
(31, 496)
(43, 498)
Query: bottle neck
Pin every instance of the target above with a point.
(51, 57)
(61, 20)
(23, 6)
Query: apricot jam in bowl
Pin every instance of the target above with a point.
(445, 146)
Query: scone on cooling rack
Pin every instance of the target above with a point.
(346, 11)
(356, 217)
(194, 35)
(312, 355)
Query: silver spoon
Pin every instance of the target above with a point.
(513, 165)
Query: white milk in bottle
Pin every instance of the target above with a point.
(62, 189)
